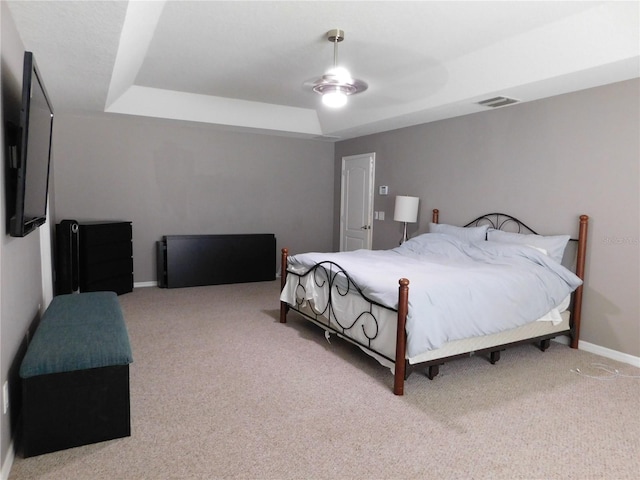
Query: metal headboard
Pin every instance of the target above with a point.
(501, 221)
(508, 223)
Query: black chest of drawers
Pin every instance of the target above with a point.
(105, 254)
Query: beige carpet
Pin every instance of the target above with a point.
(220, 389)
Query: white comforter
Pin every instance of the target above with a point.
(457, 290)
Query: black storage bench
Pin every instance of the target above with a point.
(75, 375)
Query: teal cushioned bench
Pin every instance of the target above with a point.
(75, 374)
(77, 332)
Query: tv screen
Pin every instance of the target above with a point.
(32, 152)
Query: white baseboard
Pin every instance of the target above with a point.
(602, 351)
(608, 353)
(145, 284)
(8, 462)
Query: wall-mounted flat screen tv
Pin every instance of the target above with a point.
(30, 153)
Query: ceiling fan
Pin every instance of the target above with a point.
(337, 84)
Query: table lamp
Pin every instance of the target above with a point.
(406, 211)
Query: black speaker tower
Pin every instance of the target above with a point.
(67, 259)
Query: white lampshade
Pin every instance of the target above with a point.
(406, 209)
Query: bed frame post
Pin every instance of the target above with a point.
(435, 216)
(284, 308)
(577, 298)
(401, 337)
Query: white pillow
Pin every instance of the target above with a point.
(554, 244)
(541, 250)
(466, 234)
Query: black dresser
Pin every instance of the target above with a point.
(93, 256)
(105, 254)
(195, 260)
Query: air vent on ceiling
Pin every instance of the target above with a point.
(497, 102)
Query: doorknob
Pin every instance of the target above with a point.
(365, 227)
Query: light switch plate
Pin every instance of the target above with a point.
(383, 190)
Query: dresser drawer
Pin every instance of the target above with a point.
(93, 234)
(107, 252)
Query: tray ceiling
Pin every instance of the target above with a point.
(242, 65)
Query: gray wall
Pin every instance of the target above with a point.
(175, 178)
(21, 280)
(546, 162)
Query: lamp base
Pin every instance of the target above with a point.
(404, 233)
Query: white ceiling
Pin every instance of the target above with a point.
(243, 65)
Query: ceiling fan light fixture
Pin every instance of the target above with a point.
(337, 83)
(334, 98)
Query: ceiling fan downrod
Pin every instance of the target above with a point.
(335, 36)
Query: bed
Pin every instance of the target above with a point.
(476, 289)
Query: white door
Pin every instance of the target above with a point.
(356, 203)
